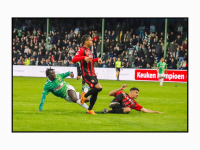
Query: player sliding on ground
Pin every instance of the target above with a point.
(123, 102)
(162, 66)
(60, 88)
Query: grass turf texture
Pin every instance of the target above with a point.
(59, 115)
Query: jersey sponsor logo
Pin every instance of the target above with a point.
(58, 87)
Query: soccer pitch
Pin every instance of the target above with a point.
(59, 115)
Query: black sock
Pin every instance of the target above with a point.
(118, 110)
(92, 100)
(110, 111)
(92, 91)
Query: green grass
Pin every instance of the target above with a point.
(59, 115)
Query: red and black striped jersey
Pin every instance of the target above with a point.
(87, 68)
(129, 102)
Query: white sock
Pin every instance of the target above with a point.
(162, 81)
(84, 104)
(85, 90)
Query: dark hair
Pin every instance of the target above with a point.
(134, 88)
(48, 70)
(85, 38)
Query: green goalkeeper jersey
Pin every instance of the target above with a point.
(162, 67)
(58, 87)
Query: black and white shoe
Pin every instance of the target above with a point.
(105, 111)
(114, 104)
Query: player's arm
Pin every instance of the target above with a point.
(44, 93)
(112, 93)
(80, 56)
(158, 67)
(42, 102)
(66, 74)
(148, 110)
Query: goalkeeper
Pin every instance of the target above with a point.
(56, 85)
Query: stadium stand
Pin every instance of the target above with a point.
(139, 43)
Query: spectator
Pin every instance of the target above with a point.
(113, 36)
(179, 40)
(121, 36)
(27, 51)
(109, 65)
(152, 28)
(134, 40)
(148, 66)
(172, 64)
(143, 64)
(172, 49)
(78, 40)
(158, 52)
(131, 60)
(138, 63)
(183, 65)
(140, 52)
(107, 46)
(14, 61)
(98, 49)
(21, 61)
(171, 37)
(141, 30)
(109, 35)
(71, 52)
(181, 55)
(127, 36)
(45, 62)
(121, 46)
(185, 45)
(104, 58)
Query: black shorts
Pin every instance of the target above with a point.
(118, 69)
(91, 81)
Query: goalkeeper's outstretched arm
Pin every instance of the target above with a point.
(42, 102)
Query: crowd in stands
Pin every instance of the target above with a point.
(137, 42)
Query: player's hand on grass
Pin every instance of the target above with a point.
(71, 75)
(99, 61)
(87, 59)
(123, 86)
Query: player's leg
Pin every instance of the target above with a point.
(74, 96)
(87, 100)
(117, 100)
(118, 110)
(118, 73)
(95, 89)
(162, 78)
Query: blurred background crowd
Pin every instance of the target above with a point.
(139, 43)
